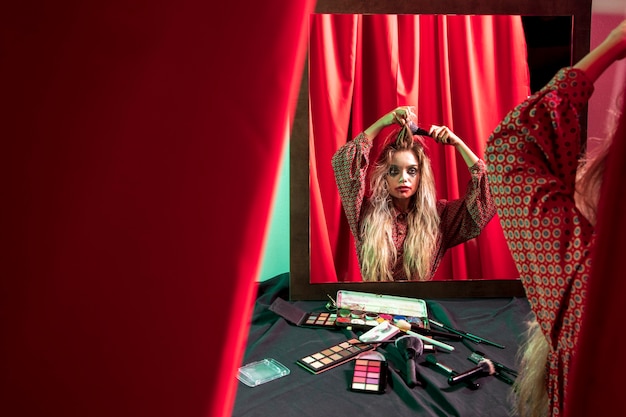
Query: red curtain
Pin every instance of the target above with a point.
(141, 142)
(596, 382)
(465, 72)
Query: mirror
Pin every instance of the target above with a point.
(578, 19)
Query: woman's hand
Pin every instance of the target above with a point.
(443, 134)
(401, 115)
(612, 49)
(617, 40)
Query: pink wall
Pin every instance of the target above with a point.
(604, 18)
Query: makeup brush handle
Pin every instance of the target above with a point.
(411, 373)
(442, 345)
(467, 375)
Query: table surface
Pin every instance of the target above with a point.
(302, 393)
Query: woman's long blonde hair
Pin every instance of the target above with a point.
(530, 390)
(378, 253)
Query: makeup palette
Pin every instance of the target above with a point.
(369, 321)
(367, 309)
(300, 317)
(333, 356)
(355, 324)
(370, 373)
(323, 319)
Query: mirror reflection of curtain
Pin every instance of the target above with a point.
(465, 72)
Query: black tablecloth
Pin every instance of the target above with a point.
(302, 393)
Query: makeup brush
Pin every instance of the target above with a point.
(484, 367)
(416, 130)
(435, 333)
(431, 359)
(503, 373)
(405, 326)
(477, 356)
(411, 348)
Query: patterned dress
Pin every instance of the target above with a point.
(460, 220)
(532, 158)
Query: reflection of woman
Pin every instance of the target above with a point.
(401, 230)
(548, 218)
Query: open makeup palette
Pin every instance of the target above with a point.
(356, 308)
(333, 356)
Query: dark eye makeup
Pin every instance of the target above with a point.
(395, 170)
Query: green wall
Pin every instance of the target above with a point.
(276, 257)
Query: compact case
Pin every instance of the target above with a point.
(260, 372)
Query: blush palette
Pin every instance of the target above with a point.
(336, 355)
(370, 375)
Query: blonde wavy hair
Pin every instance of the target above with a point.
(378, 252)
(530, 391)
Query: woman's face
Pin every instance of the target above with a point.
(403, 175)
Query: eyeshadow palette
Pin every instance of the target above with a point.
(370, 375)
(336, 355)
(299, 317)
(323, 319)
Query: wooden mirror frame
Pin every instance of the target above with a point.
(300, 287)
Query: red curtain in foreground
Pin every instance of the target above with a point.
(596, 382)
(141, 142)
(465, 72)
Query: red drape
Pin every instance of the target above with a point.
(465, 72)
(141, 142)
